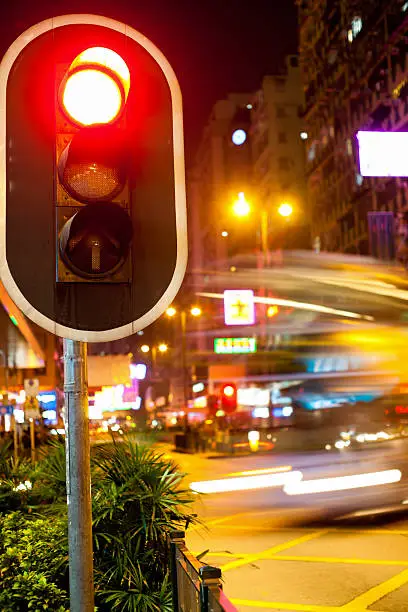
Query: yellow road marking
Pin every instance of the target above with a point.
(272, 470)
(362, 602)
(217, 521)
(309, 559)
(223, 554)
(272, 605)
(255, 528)
(252, 528)
(271, 551)
(337, 560)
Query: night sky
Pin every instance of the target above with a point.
(215, 47)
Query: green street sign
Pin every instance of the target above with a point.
(224, 346)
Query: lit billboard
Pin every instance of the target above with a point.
(224, 346)
(383, 154)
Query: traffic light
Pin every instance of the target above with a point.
(93, 222)
(229, 398)
(213, 402)
(92, 208)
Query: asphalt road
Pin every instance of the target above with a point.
(344, 551)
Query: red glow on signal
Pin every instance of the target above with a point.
(228, 391)
(401, 409)
(96, 87)
(91, 97)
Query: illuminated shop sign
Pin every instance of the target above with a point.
(234, 345)
(239, 307)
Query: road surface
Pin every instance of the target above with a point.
(343, 551)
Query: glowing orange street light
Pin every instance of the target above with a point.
(163, 347)
(241, 207)
(171, 312)
(145, 348)
(272, 310)
(285, 209)
(96, 87)
(196, 311)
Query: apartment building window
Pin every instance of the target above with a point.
(282, 137)
(280, 112)
(356, 27)
(284, 163)
(262, 143)
(280, 83)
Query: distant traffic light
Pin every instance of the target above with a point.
(229, 398)
(213, 403)
(93, 206)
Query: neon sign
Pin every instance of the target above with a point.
(224, 346)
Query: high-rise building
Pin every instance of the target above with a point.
(353, 58)
(278, 153)
(221, 170)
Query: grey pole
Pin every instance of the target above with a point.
(78, 477)
(183, 321)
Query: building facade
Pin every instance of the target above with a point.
(221, 170)
(353, 57)
(278, 154)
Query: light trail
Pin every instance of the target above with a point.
(246, 483)
(342, 483)
(298, 305)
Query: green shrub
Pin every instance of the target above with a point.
(33, 564)
(137, 500)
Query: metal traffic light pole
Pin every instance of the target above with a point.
(78, 455)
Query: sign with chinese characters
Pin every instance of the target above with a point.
(234, 345)
(239, 307)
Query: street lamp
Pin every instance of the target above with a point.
(170, 312)
(285, 209)
(195, 311)
(162, 348)
(241, 206)
(224, 234)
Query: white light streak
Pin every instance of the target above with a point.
(246, 483)
(299, 305)
(342, 483)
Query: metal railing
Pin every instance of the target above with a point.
(196, 587)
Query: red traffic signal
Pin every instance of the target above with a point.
(93, 177)
(95, 87)
(229, 397)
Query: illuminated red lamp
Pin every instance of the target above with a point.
(229, 398)
(95, 88)
(228, 390)
(401, 409)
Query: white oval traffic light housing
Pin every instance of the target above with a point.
(95, 266)
(95, 88)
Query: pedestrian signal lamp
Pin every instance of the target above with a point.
(229, 398)
(92, 187)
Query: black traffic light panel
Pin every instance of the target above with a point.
(93, 206)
